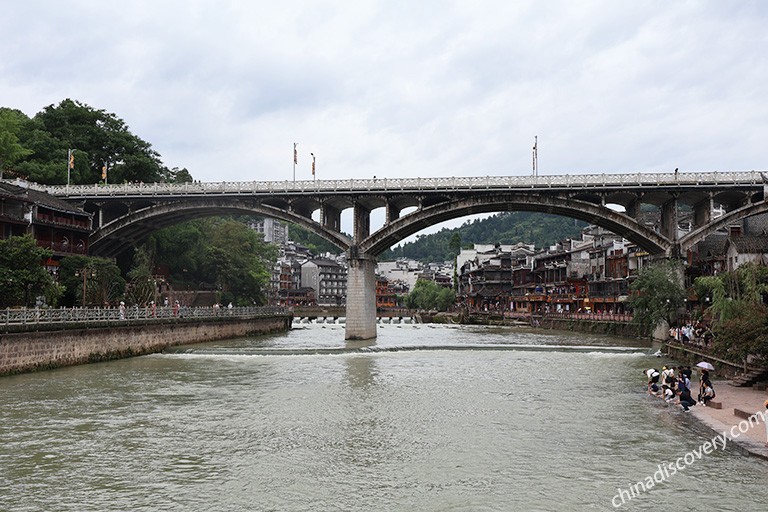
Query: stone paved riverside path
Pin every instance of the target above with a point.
(745, 399)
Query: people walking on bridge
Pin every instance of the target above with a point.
(121, 310)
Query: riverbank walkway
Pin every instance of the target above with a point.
(25, 316)
(747, 400)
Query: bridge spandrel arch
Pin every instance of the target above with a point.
(615, 222)
(124, 232)
(720, 223)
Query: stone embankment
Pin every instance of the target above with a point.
(593, 324)
(47, 346)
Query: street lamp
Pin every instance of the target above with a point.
(85, 272)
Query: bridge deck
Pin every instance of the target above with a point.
(393, 185)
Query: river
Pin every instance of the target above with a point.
(430, 418)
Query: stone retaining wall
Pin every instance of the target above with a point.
(71, 345)
(594, 326)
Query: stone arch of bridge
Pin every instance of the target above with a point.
(126, 231)
(615, 222)
(725, 220)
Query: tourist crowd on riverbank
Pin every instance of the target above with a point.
(696, 334)
(673, 384)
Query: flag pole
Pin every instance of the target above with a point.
(313, 167)
(70, 163)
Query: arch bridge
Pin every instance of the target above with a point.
(125, 214)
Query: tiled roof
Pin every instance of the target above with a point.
(750, 244)
(713, 245)
(37, 197)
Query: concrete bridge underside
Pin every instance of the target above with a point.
(123, 221)
(130, 229)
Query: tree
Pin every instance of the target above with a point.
(177, 175)
(429, 295)
(217, 253)
(99, 278)
(657, 294)
(99, 138)
(739, 315)
(23, 277)
(240, 260)
(743, 334)
(11, 150)
(141, 285)
(455, 243)
(733, 293)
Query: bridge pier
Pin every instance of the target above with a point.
(669, 219)
(361, 298)
(702, 212)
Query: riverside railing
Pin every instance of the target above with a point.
(594, 317)
(454, 183)
(76, 315)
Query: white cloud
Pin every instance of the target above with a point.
(404, 88)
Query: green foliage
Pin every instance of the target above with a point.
(101, 278)
(98, 137)
(218, 254)
(743, 334)
(732, 293)
(177, 175)
(10, 149)
(657, 294)
(141, 285)
(507, 228)
(22, 275)
(240, 260)
(454, 244)
(738, 312)
(428, 295)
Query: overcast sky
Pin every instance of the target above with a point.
(406, 88)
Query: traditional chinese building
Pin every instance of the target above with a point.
(52, 222)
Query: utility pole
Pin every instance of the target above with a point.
(536, 155)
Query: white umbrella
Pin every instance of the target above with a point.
(705, 366)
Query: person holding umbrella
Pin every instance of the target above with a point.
(706, 390)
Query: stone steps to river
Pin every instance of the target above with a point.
(749, 379)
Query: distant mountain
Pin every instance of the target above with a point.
(540, 229)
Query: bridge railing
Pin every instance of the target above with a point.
(74, 315)
(414, 184)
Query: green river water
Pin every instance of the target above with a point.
(430, 418)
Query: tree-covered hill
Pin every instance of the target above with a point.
(539, 229)
(99, 145)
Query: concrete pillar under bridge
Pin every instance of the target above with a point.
(361, 297)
